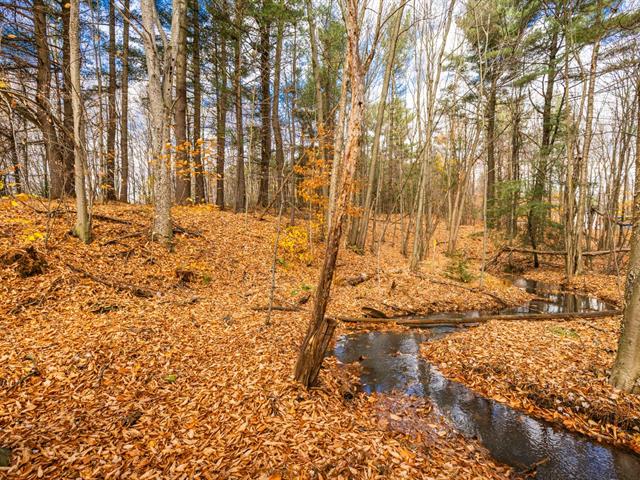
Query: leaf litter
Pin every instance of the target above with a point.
(189, 383)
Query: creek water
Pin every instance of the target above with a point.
(391, 362)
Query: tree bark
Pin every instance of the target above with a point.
(124, 114)
(315, 69)
(160, 74)
(108, 183)
(182, 165)
(241, 197)
(82, 228)
(67, 133)
(321, 328)
(536, 213)
(198, 141)
(275, 112)
(53, 154)
(625, 373)
(221, 116)
(363, 227)
(265, 110)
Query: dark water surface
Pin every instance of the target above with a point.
(391, 362)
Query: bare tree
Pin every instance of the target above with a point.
(160, 71)
(82, 228)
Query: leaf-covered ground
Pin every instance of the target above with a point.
(554, 370)
(98, 382)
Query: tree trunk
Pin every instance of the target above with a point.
(536, 213)
(338, 140)
(159, 90)
(275, 112)
(363, 227)
(182, 165)
(221, 117)
(320, 328)
(265, 111)
(491, 153)
(625, 373)
(82, 228)
(108, 183)
(124, 113)
(198, 141)
(67, 135)
(315, 69)
(241, 197)
(584, 161)
(53, 154)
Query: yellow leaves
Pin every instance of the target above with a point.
(294, 242)
(34, 237)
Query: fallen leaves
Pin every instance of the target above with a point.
(554, 371)
(172, 387)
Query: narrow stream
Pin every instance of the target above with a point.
(391, 362)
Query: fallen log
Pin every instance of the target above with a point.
(438, 321)
(558, 253)
(135, 290)
(469, 289)
(279, 308)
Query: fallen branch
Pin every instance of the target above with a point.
(122, 237)
(135, 290)
(558, 253)
(436, 321)
(280, 308)
(463, 287)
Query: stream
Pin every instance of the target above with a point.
(391, 362)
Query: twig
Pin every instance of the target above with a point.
(135, 290)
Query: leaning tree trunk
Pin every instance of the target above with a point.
(625, 373)
(82, 228)
(320, 330)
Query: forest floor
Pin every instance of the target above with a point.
(119, 359)
(555, 370)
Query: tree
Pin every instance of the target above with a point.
(53, 155)
(320, 329)
(160, 70)
(82, 228)
(264, 26)
(240, 200)
(124, 113)
(198, 141)
(361, 236)
(183, 167)
(108, 182)
(221, 107)
(625, 373)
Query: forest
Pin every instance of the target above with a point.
(317, 239)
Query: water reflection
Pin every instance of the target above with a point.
(391, 362)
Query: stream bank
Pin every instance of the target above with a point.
(391, 362)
